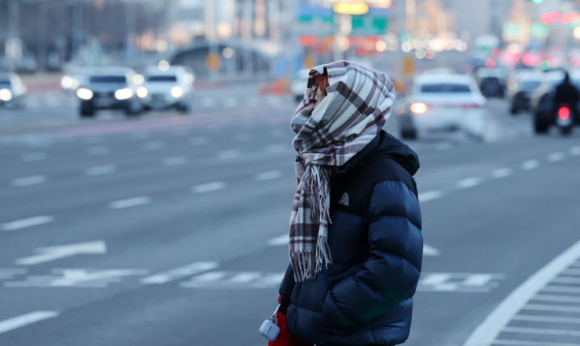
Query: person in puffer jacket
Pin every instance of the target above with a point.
(355, 229)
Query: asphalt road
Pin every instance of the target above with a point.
(171, 230)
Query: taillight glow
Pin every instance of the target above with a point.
(564, 113)
(418, 108)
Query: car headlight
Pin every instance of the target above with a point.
(177, 92)
(84, 94)
(418, 108)
(5, 95)
(142, 92)
(123, 94)
(66, 82)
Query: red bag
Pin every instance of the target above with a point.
(285, 338)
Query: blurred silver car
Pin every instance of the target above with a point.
(12, 91)
(109, 88)
(443, 102)
(166, 89)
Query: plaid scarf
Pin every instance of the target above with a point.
(357, 106)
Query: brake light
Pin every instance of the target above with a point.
(564, 113)
(418, 108)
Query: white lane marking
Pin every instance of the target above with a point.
(468, 183)
(98, 278)
(278, 241)
(54, 253)
(229, 154)
(100, 170)
(575, 151)
(175, 161)
(501, 173)
(199, 141)
(179, 273)
(245, 277)
(27, 181)
(530, 164)
(521, 330)
(153, 146)
(208, 277)
(567, 280)
(25, 223)
(529, 343)
(550, 319)
(24, 320)
(562, 299)
(36, 156)
(493, 324)
(556, 157)
(270, 175)
(561, 289)
(209, 187)
(429, 196)
(130, 202)
(430, 251)
(98, 151)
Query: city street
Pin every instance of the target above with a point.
(172, 230)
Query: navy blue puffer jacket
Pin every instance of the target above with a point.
(365, 297)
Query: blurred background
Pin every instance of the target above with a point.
(147, 164)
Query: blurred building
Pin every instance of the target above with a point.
(481, 17)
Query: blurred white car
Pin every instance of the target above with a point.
(298, 86)
(166, 89)
(443, 102)
(12, 91)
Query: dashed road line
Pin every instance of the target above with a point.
(521, 330)
(100, 170)
(549, 319)
(37, 156)
(530, 164)
(469, 182)
(556, 157)
(270, 175)
(229, 154)
(209, 187)
(175, 161)
(24, 320)
(501, 173)
(130, 202)
(25, 223)
(540, 307)
(27, 181)
(179, 273)
(153, 146)
(429, 196)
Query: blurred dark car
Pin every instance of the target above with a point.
(544, 108)
(522, 93)
(109, 88)
(492, 86)
(12, 91)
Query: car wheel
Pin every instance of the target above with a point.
(514, 111)
(540, 125)
(87, 111)
(566, 131)
(184, 108)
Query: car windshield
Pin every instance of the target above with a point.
(167, 78)
(108, 79)
(530, 85)
(445, 88)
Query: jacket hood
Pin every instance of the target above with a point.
(385, 145)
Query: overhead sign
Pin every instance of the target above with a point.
(351, 8)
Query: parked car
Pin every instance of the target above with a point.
(298, 86)
(492, 82)
(170, 88)
(443, 102)
(109, 88)
(12, 91)
(521, 93)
